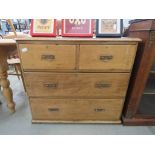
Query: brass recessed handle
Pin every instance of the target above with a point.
(102, 85)
(51, 85)
(106, 58)
(99, 110)
(47, 57)
(53, 109)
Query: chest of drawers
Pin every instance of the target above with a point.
(76, 80)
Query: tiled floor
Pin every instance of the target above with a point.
(20, 122)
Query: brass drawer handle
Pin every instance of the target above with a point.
(99, 110)
(106, 58)
(102, 85)
(51, 85)
(47, 57)
(53, 109)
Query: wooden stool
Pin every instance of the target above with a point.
(15, 62)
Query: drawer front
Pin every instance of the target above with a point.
(35, 56)
(76, 84)
(107, 57)
(76, 109)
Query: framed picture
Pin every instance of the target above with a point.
(43, 27)
(77, 27)
(109, 27)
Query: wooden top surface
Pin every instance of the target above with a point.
(79, 39)
(7, 42)
(12, 42)
(7, 45)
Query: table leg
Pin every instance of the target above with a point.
(0, 90)
(4, 82)
(0, 84)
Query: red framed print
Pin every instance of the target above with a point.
(77, 27)
(43, 28)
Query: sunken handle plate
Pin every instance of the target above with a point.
(47, 57)
(51, 85)
(99, 110)
(102, 85)
(53, 109)
(106, 58)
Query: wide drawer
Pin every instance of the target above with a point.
(36, 56)
(107, 57)
(76, 109)
(76, 84)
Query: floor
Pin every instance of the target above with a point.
(20, 122)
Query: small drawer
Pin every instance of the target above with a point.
(36, 56)
(107, 57)
(76, 109)
(76, 84)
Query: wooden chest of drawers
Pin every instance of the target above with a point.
(77, 80)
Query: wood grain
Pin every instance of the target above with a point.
(141, 71)
(86, 83)
(76, 84)
(142, 66)
(76, 109)
(47, 56)
(76, 122)
(76, 40)
(107, 57)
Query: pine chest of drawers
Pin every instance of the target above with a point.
(75, 79)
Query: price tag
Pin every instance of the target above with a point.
(23, 50)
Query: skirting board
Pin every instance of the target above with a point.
(138, 122)
(80, 122)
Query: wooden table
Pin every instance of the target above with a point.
(7, 47)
